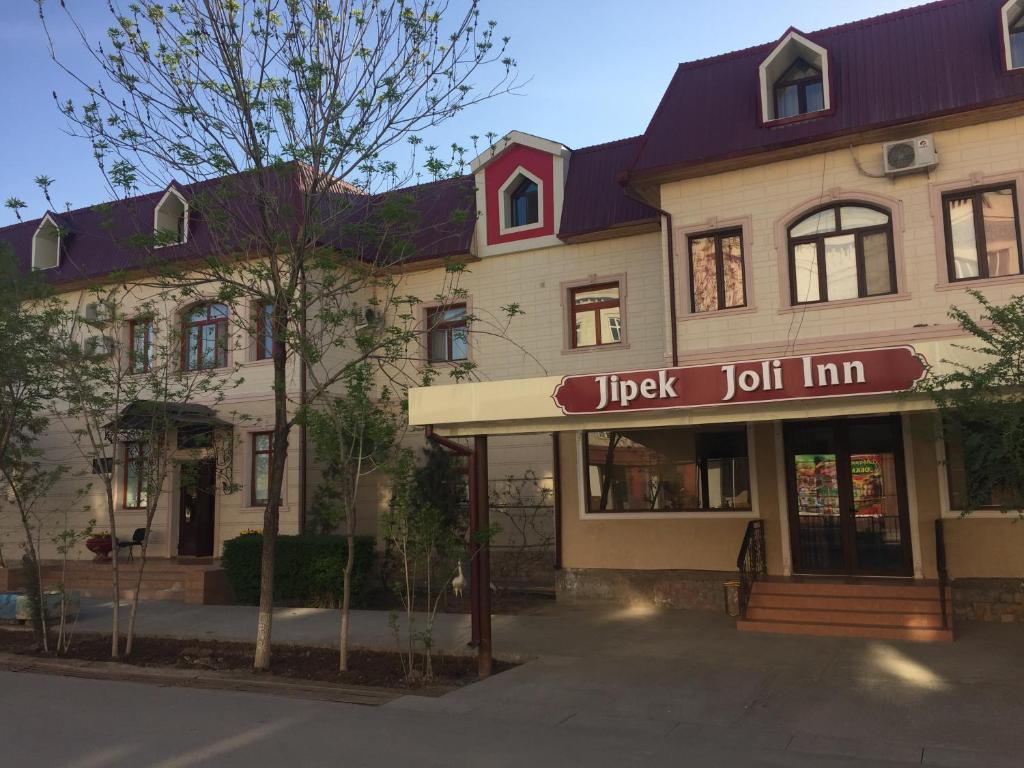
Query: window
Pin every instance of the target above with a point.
(265, 331)
(668, 469)
(135, 491)
(447, 334)
(141, 354)
(596, 319)
(982, 233)
(800, 90)
(974, 484)
(262, 450)
(844, 251)
(1016, 32)
(205, 334)
(170, 219)
(716, 271)
(523, 203)
(46, 244)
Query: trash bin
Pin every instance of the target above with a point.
(732, 598)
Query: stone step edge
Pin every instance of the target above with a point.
(914, 634)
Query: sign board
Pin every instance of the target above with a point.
(835, 374)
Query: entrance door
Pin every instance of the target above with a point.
(847, 497)
(195, 520)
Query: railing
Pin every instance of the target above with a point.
(751, 562)
(940, 562)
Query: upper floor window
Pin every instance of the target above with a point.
(800, 90)
(794, 79)
(716, 271)
(523, 203)
(596, 318)
(46, 244)
(982, 232)
(843, 251)
(265, 331)
(170, 219)
(1012, 14)
(205, 334)
(135, 486)
(447, 334)
(141, 352)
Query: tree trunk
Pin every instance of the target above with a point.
(346, 601)
(272, 513)
(130, 634)
(115, 629)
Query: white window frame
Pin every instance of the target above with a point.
(1010, 8)
(505, 202)
(49, 229)
(792, 46)
(157, 214)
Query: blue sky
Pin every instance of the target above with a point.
(593, 71)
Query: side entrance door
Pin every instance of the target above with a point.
(196, 515)
(847, 497)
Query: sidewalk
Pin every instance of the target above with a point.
(668, 673)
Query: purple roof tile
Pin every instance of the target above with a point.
(914, 64)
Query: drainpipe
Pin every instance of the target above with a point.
(474, 564)
(667, 217)
(556, 483)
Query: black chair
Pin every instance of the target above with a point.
(136, 541)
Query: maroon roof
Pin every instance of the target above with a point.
(918, 63)
(593, 199)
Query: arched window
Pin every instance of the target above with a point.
(523, 203)
(842, 251)
(205, 337)
(800, 90)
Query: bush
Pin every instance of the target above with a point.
(308, 569)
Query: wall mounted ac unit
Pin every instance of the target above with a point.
(97, 312)
(99, 346)
(909, 155)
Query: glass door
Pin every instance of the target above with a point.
(847, 497)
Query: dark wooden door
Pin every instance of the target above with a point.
(847, 497)
(196, 516)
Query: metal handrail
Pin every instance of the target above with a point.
(751, 562)
(940, 562)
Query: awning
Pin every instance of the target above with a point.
(144, 415)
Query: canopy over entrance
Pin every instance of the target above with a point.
(146, 415)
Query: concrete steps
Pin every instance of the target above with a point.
(890, 610)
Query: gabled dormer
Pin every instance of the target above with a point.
(520, 182)
(794, 79)
(170, 217)
(48, 241)
(1011, 17)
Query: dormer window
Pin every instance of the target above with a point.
(46, 244)
(1013, 33)
(799, 91)
(794, 79)
(521, 202)
(170, 219)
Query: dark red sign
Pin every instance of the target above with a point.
(860, 372)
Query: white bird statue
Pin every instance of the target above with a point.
(459, 582)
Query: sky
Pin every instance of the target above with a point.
(591, 71)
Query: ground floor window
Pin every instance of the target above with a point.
(135, 492)
(262, 456)
(974, 481)
(672, 469)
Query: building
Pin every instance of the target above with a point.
(724, 320)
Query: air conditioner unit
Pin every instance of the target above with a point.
(97, 312)
(910, 155)
(99, 346)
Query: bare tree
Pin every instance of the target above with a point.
(303, 100)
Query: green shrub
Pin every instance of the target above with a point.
(308, 569)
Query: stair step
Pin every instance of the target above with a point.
(845, 603)
(847, 618)
(915, 634)
(838, 589)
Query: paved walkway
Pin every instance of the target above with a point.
(657, 679)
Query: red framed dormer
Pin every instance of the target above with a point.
(520, 182)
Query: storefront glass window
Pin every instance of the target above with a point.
(667, 470)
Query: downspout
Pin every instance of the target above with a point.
(556, 482)
(672, 310)
(303, 373)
